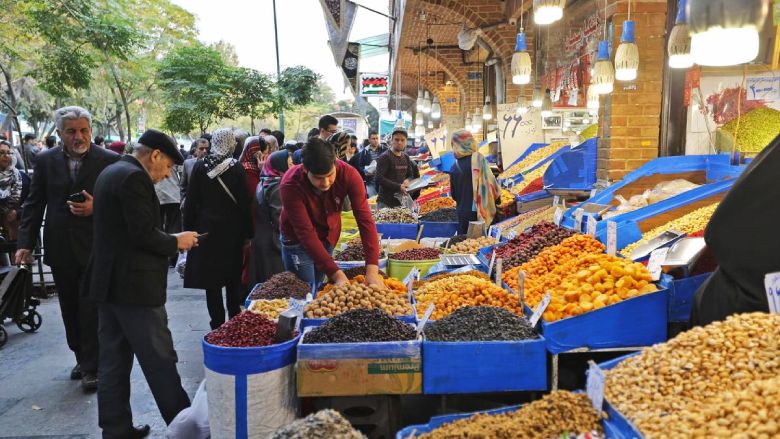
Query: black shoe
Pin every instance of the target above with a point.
(89, 382)
(139, 432)
(75, 373)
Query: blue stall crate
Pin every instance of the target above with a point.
(526, 153)
(638, 321)
(438, 229)
(438, 421)
(312, 323)
(574, 169)
(481, 366)
(681, 297)
(533, 196)
(397, 231)
(444, 162)
(617, 425)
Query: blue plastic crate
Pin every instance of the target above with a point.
(574, 169)
(681, 297)
(444, 162)
(533, 196)
(526, 153)
(616, 425)
(438, 421)
(481, 367)
(638, 321)
(438, 229)
(397, 231)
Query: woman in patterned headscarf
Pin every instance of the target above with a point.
(473, 185)
(252, 160)
(346, 150)
(10, 191)
(218, 205)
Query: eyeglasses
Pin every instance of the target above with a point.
(5, 153)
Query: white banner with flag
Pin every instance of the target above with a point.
(517, 132)
(339, 14)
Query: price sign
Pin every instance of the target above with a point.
(578, 213)
(591, 225)
(592, 193)
(540, 310)
(414, 274)
(512, 234)
(491, 231)
(611, 237)
(595, 386)
(772, 285)
(499, 271)
(556, 200)
(558, 216)
(297, 307)
(424, 320)
(657, 258)
(498, 235)
(492, 261)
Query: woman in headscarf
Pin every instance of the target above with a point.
(346, 150)
(266, 246)
(218, 207)
(273, 144)
(472, 184)
(252, 159)
(10, 191)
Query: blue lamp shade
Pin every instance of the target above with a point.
(627, 55)
(680, 41)
(603, 80)
(521, 62)
(680, 12)
(520, 44)
(603, 51)
(629, 32)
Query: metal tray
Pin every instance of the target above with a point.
(659, 241)
(458, 260)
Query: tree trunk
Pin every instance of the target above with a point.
(121, 94)
(252, 124)
(12, 105)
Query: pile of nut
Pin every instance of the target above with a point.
(532, 159)
(361, 326)
(690, 223)
(559, 414)
(337, 300)
(351, 273)
(522, 248)
(720, 380)
(519, 223)
(471, 246)
(269, 308)
(452, 293)
(326, 423)
(480, 323)
(417, 254)
(281, 286)
(436, 204)
(352, 252)
(444, 215)
(530, 177)
(588, 283)
(434, 278)
(397, 215)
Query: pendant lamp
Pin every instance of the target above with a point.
(430, 124)
(436, 108)
(627, 55)
(604, 72)
(522, 105)
(467, 123)
(419, 106)
(725, 32)
(548, 11)
(521, 61)
(419, 130)
(537, 98)
(593, 98)
(680, 41)
(487, 111)
(418, 118)
(547, 104)
(477, 120)
(426, 102)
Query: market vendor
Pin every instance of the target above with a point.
(472, 184)
(313, 194)
(394, 170)
(742, 235)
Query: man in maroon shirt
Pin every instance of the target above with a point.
(313, 194)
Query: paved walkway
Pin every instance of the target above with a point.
(37, 398)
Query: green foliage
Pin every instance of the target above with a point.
(296, 86)
(250, 92)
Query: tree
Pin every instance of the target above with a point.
(227, 51)
(296, 87)
(250, 93)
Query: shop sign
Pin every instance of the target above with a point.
(516, 132)
(772, 285)
(580, 38)
(374, 84)
(763, 88)
(437, 141)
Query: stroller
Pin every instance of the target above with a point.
(16, 301)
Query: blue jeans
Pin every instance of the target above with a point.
(297, 261)
(370, 189)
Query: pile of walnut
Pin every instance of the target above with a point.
(334, 300)
(472, 245)
(720, 380)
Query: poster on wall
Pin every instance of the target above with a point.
(437, 141)
(374, 84)
(517, 132)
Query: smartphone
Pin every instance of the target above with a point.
(78, 197)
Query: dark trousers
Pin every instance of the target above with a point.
(141, 331)
(170, 221)
(235, 297)
(80, 316)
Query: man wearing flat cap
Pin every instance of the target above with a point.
(129, 282)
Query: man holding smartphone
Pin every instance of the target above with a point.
(62, 187)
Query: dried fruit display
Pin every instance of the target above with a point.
(417, 254)
(326, 423)
(529, 178)
(269, 308)
(757, 129)
(280, 286)
(471, 246)
(397, 215)
(436, 204)
(361, 326)
(521, 249)
(525, 220)
(475, 273)
(335, 300)
(244, 330)
(452, 293)
(351, 273)
(480, 323)
(720, 380)
(689, 223)
(532, 159)
(443, 215)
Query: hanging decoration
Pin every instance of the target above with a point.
(728, 37)
(436, 109)
(627, 55)
(339, 15)
(426, 102)
(521, 61)
(680, 41)
(548, 11)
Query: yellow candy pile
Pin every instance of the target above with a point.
(690, 223)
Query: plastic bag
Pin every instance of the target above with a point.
(371, 168)
(192, 422)
(668, 189)
(181, 264)
(407, 202)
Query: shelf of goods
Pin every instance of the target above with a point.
(712, 173)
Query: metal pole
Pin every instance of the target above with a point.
(278, 70)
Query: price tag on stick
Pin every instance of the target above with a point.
(657, 258)
(591, 225)
(578, 219)
(772, 285)
(411, 277)
(556, 200)
(611, 237)
(424, 320)
(558, 216)
(540, 310)
(595, 386)
(492, 262)
(521, 285)
(499, 271)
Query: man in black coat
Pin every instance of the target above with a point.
(62, 187)
(128, 276)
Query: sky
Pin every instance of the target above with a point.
(303, 38)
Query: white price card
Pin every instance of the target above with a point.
(578, 213)
(611, 237)
(492, 262)
(540, 310)
(591, 225)
(498, 235)
(296, 306)
(595, 386)
(512, 234)
(592, 193)
(556, 200)
(424, 320)
(772, 285)
(657, 258)
(558, 216)
(499, 271)
(413, 275)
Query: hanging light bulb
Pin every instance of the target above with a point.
(627, 55)
(436, 108)
(604, 72)
(477, 120)
(548, 11)
(487, 111)
(430, 124)
(537, 98)
(426, 102)
(547, 104)
(680, 41)
(521, 61)
(419, 130)
(593, 98)
(419, 106)
(522, 105)
(728, 37)
(418, 118)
